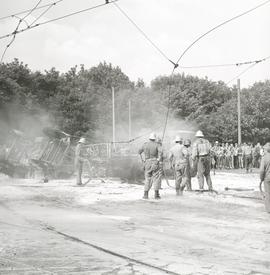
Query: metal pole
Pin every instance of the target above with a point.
(113, 117)
(239, 111)
(129, 120)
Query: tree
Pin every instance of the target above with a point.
(191, 97)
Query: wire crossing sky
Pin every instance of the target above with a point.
(106, 35)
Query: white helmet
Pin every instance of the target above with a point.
(82, 140)
(177, 139)
(152, 136)
(199, 134)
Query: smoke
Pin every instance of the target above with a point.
(16, 120)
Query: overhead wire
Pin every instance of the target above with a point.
(154, 45)
(16, 29)
(176, 64)
(247, 69)
(218, 26)
(193, 43)
(19, 18)
(57, 18)
(25, 11)
(223, 65)
(45, 11)
(143, 33)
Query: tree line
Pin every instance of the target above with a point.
(79, 103)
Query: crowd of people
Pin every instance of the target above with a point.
(186, 158)
(229, 156)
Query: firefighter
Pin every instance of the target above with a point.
(201, 152)
(152, 156)
(160, 165)
(79, 161)
(265, 175)
(187, 144)
(178, 158)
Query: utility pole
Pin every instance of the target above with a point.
(113, 118)
(239, 111)
(129, 120)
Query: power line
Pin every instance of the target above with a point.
(32, 10)
(21, 19)
(219, 25)
(222, 65)
(25, 11)
(16, 29)
(58, 18)
(143, 33)
(44, 12)
(248, 68)
(193, 43)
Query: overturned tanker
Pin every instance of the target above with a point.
(103, 160)
(57, 155)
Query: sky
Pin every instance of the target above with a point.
(104, 34)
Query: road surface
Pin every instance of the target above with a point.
(106, 228)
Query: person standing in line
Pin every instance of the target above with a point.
(231, 156)
(152, 155)
(160, 164)
(265, 175)
(179, 160)
(240, 156)
(187, 144)
(214, 154)
(257, 156)
(235, 156)
(79, 160)
(247, 154)
(201, 151)
(220, 157)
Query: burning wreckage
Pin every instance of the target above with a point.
(52, 156)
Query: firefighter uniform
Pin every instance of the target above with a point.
(187, 144)
(160, 165)
(201, 151)
(265, 176)
(79, 161)
(152, 156)
(179, 159)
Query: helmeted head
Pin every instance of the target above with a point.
(199, 134)
(216, 142)
(152, 136)
(187, 142)
(178, 139)
(82, 140)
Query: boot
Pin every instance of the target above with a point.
(179, 192)
(157, 196)
(145, 196)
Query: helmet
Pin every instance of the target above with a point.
(82, 140)
(216, 142)
(187, 142)
(152, 136)
(178, 139)
(199, 134)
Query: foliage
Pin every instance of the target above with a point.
(80, 102)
